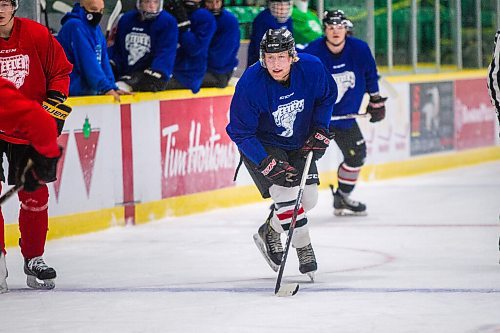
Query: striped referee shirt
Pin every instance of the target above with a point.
(494, 76)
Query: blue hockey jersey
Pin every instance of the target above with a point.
(264, 112)
(263, 22)
(85, 48)
(223, 51)
(354, 71)
(192, 55)
(141, 44)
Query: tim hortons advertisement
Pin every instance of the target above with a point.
(474, 117)
(432, 121)
(197, 155)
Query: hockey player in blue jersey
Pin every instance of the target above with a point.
(144, 47)
(353, 67)
(223, 50)
(196, 29)
(277, 15)
(85, 46)
(280, 112)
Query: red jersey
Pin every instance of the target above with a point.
(34, 60)
(24, 119)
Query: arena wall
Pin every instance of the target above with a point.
(167, 154)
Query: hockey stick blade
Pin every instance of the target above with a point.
(114, 15)
(277, 289)
(350, 116)
(288, 289)
(61, 7)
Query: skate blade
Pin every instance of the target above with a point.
(348, 212)
(312, 275)
(262, 248)
(288, 289)
(35, 283)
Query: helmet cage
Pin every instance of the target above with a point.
(281, 9)
(149, 15)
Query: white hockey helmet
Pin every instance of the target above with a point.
(149, 15)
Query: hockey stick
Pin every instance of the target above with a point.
(61, 7)
(16, 188)
(114, 15)
(350, 116)
(291, 289)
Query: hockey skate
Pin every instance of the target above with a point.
(38, 274)
(345, 206)
(307, 261)
(3, 274)
(268, 242)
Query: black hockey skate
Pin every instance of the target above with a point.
(38, 274)
(345, 206)
(269, 244)
(307, 261)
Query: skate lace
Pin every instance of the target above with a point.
(274, 241)
(306, 255)
(37, 264)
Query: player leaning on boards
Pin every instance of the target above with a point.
(353, 68)
(40, 70)
(280, 111)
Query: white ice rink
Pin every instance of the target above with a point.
(425, 259)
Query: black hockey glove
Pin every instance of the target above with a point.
(177, 9)
(149, 80)
(54, 104)
(317, 142)
(42, 171)
(376, 108)
(279, 172)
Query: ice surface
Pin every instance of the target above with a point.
(425, 259)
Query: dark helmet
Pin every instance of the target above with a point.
(275, 41)
(335, 17)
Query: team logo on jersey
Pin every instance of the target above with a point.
(15, 68)
(137, 44)
(286, 114)
(345, 81)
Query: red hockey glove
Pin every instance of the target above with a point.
(42, 171)
(317, 142)
(279, 172)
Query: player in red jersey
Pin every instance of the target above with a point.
(22, 119)
(32, 59)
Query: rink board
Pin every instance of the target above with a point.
(167, 154)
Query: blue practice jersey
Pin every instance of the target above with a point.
(223, 51)
(354, 71)
(263, 22)
(192, 55)
(264, 112)
(141, 44)
(85, 48)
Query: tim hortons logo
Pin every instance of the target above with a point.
(199, 157)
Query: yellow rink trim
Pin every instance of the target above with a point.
(75, 224)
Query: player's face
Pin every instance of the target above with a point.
(278, 65)
(335, 34)
(6, 12)
(150, 6)
(213, 5)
